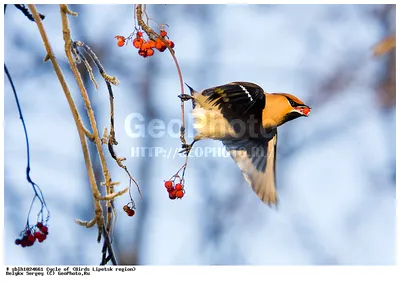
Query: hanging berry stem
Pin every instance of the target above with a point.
(151, 33)
(36, 189)
(161, 42)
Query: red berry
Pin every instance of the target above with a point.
(39, 225)
(126, 208)
(137, 42)
(162, 49)
(139, 34)
(179, 194)
(42, 238)
(170, 43)
(24, 243)
(151, 44)
(160, 46)
(28, 232)
(143, 53)
(37, 234)
(172, 194)
(18, 242)
(131, 212)
(120, 43)
(31, 238)
(306, 111)
(150, 52)
(120, 40)
(169, 185)
(144, 46)
(163, 33)
(178, 187)
(44, 229)
(159, 43)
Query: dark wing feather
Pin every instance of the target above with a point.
(256, 159)
(237, 99)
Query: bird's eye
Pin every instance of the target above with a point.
(292, 103)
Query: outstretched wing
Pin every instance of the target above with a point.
(237, 99)
(256, 159)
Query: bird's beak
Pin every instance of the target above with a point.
(303, 110)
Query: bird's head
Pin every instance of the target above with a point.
(283, 107)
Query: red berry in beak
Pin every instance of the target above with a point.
(306, 111)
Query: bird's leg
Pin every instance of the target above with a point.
(185, 97)
(188, 147)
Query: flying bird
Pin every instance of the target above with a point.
(245, 118)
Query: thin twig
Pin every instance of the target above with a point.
(108, 139)
(71, 104)
(151, 33)
(67, 48)
(120, 164)
(25, 11)
(87, 224)
(98, 219)
(89, 69)
(88, 50)
(35, 187)
(108, 79)
(111, 213)
(106, 244)
(112, 196)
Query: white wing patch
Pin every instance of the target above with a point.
(246, 91)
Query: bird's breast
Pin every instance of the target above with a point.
(210, 123)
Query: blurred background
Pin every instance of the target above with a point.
(335, 169)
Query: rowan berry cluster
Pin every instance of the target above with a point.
(146, 47)
(174, 190)
(29, 236)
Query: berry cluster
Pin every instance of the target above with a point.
(40, 233)
(129, 211)
(174, 191)
(146, 47)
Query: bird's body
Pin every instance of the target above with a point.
(245, 119)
